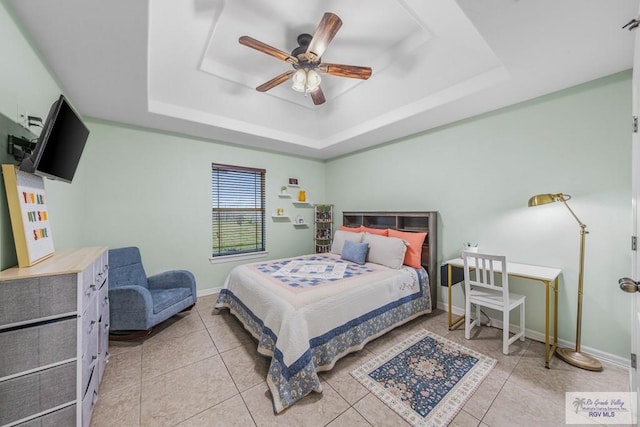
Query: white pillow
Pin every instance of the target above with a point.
(387, 251)
(340, 237)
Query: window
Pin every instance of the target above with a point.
(237, 215)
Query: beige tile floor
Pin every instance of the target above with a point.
(200, 369)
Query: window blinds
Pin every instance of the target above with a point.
(238, 209)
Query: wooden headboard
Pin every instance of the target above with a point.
(411, 222)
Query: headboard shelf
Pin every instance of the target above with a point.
(417, 222)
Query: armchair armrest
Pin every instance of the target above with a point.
(173, 279)
(131, 307)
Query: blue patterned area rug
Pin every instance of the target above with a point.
(426, 378)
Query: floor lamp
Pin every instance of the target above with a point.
(572, 357)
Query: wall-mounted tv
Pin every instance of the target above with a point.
(60, 144)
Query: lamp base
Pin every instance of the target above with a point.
(578, 359)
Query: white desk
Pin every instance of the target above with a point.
(546, 275)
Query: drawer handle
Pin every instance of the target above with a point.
(94, 357)
(93, 322)
(95, 398)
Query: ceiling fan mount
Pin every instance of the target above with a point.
(303, 40)
(306, 61)
(300, 52)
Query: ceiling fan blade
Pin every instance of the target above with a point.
(265, 48)
(326, 31)
(318, 96)
(275, 81)
(341, 70)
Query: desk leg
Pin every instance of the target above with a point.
(548, 347)
(546, 325)
(452, 323)
(555, 319)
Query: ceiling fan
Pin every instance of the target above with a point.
(306, 61)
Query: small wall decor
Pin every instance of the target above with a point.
(302, 196)
(293, 182)
(29, 215)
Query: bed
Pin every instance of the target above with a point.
(307, 312)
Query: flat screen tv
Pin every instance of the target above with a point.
(58, 149)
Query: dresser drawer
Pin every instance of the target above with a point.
(60, 418)
(103, 299)
(103, 332)
(34, 298)
(32, 347)
(101, 269)
(90, 398)
(30, 394)
(89, 286)
(90, 329)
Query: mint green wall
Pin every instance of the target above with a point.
(479, 174)
(153, 190)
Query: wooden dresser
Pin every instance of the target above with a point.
(54, 335)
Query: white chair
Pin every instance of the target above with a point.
(484, 290)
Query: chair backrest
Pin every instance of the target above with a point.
(125, 268)
(490, 272)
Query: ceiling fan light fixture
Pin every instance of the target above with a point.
(313, 80)
(299, 80)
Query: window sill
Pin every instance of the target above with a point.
(238, 257)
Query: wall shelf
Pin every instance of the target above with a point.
(284, 217)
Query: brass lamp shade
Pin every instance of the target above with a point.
(543, 199)
(572, 357)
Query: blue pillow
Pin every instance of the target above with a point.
(355, 252)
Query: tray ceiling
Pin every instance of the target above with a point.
(177, 65)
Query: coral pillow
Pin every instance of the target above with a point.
(379, 231)
(357, 229)
(413, 256)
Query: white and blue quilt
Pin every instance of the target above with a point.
(309, 311)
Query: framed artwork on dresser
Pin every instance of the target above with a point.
(29, 215)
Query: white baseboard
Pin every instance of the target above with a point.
(539, 336)
(210, 291)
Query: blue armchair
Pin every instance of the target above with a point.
(138, 302)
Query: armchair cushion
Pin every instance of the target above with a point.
(139, 303)
(165, 298)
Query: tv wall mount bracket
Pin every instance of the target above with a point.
(19, 147)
